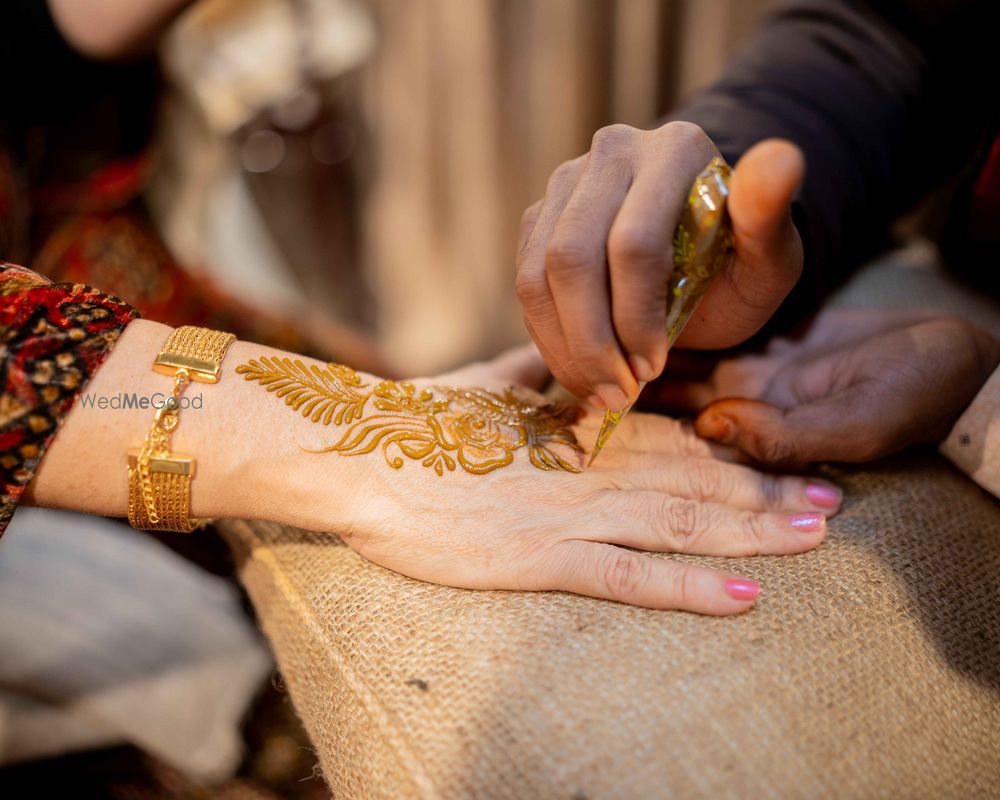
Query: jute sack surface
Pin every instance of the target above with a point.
(869, 668)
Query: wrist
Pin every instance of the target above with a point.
(253, 453)
(245, 444)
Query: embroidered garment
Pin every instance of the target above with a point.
(74, 162)
(53, 337)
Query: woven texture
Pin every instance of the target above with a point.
(869, 668)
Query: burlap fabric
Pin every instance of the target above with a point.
(870, 667)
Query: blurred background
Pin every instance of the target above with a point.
(373, 158)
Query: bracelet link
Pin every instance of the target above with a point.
(160, 481)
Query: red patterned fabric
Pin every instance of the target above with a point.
(95, 230)
(54, 336)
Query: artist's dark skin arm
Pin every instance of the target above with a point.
(871, 106)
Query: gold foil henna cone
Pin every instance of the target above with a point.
(702, 245)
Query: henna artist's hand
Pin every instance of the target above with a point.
(596, 255)
(484, 521)
(860, 385)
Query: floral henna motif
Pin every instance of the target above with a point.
(440, 427)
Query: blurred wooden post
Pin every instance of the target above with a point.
(473, 104)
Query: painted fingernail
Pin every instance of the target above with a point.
(596, 401)
(742, 589)
(823, 494)
(612, 396)
(807, 523)
(641, 368)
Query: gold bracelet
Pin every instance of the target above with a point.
(159, 482)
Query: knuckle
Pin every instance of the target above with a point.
(564, 176)
(623, 574)
(680, 520)
(568, 255)
(752, 531)
(529, 214)
(684, 586)
(611, 139)
(686, 133)
(529, 287)
(771, 490)
(540, 553)
(706, 480)
(636, 245)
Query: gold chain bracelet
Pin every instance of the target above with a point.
(159, 496)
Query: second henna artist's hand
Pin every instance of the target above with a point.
(859, 385)
(494, 518)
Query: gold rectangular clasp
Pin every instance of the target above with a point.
(173, 464)
(201, 371)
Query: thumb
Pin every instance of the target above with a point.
(830, 429)
(769, 253)
(760, 197)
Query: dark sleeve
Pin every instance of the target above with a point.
(26, 26)
(31, 43)
(85, 106)
(886, 99)
(53, 337)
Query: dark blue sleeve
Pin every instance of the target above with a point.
(887, 99)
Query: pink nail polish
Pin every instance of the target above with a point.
(822, 494)
(807, 523)
(742, 589)
(596, 401)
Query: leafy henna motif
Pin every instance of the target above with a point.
(441, 427)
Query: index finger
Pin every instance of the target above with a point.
(577, 270)
(538, 306)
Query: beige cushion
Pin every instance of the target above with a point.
(870, 667)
